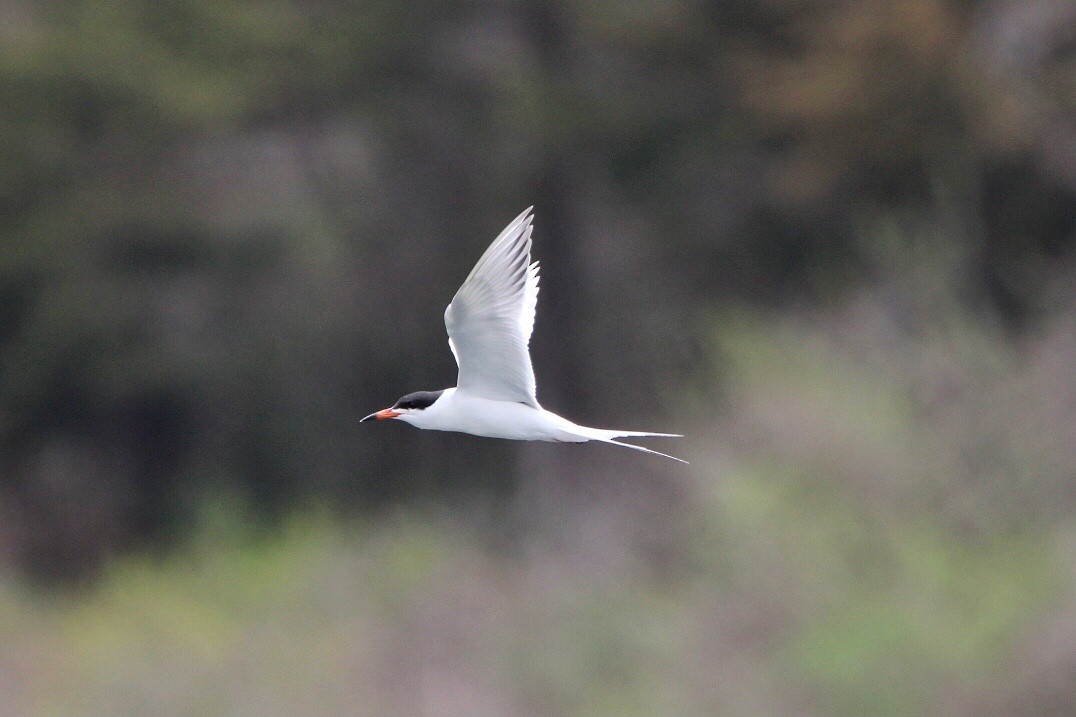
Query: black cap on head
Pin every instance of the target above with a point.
(418, 399)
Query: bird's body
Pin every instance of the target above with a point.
(489, 326)
(480, 416)
(455, 411)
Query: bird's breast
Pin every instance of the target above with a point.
(494, 419)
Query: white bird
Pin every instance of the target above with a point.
(489, 328)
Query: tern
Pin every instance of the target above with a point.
(489, 323)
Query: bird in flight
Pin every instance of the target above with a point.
(489, 329)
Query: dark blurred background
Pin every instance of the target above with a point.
(831, 242)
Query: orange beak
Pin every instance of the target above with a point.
(381, 415)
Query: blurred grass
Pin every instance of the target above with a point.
(841, 551)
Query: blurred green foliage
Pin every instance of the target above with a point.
(229, 228)
(783, 577)
(831, 242)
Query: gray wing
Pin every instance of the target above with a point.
(491, 318)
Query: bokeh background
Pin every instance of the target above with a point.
(832, 242)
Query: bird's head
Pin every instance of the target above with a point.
(407, 408)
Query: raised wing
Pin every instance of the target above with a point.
(491, 318)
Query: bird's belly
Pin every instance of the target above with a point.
(503, 419)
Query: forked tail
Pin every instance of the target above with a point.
(606, 436)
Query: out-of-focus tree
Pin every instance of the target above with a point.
(228, 229)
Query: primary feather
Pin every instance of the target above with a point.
(491, 318)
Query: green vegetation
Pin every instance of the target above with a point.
(806, 562)
(830, 242)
